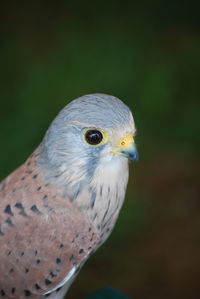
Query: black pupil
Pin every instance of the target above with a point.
(93, 137)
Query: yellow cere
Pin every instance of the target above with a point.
(126, 140)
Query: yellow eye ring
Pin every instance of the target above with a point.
(95, 137)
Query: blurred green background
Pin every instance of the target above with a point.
(147, 53)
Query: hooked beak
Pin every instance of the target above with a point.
(126, 147)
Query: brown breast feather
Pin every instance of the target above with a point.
(42, 236)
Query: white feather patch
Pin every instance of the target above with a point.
(69, 275)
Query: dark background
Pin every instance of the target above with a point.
(148, 54)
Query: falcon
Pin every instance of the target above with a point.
(60, 205)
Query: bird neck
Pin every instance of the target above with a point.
(98, 196)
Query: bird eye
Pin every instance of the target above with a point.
(93, 137)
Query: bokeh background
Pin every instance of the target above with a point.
(148, 54)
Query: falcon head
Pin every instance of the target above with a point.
(91, 134)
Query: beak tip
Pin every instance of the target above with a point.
(135, 157)
(132, 155)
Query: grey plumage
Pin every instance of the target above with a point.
(67, 160)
